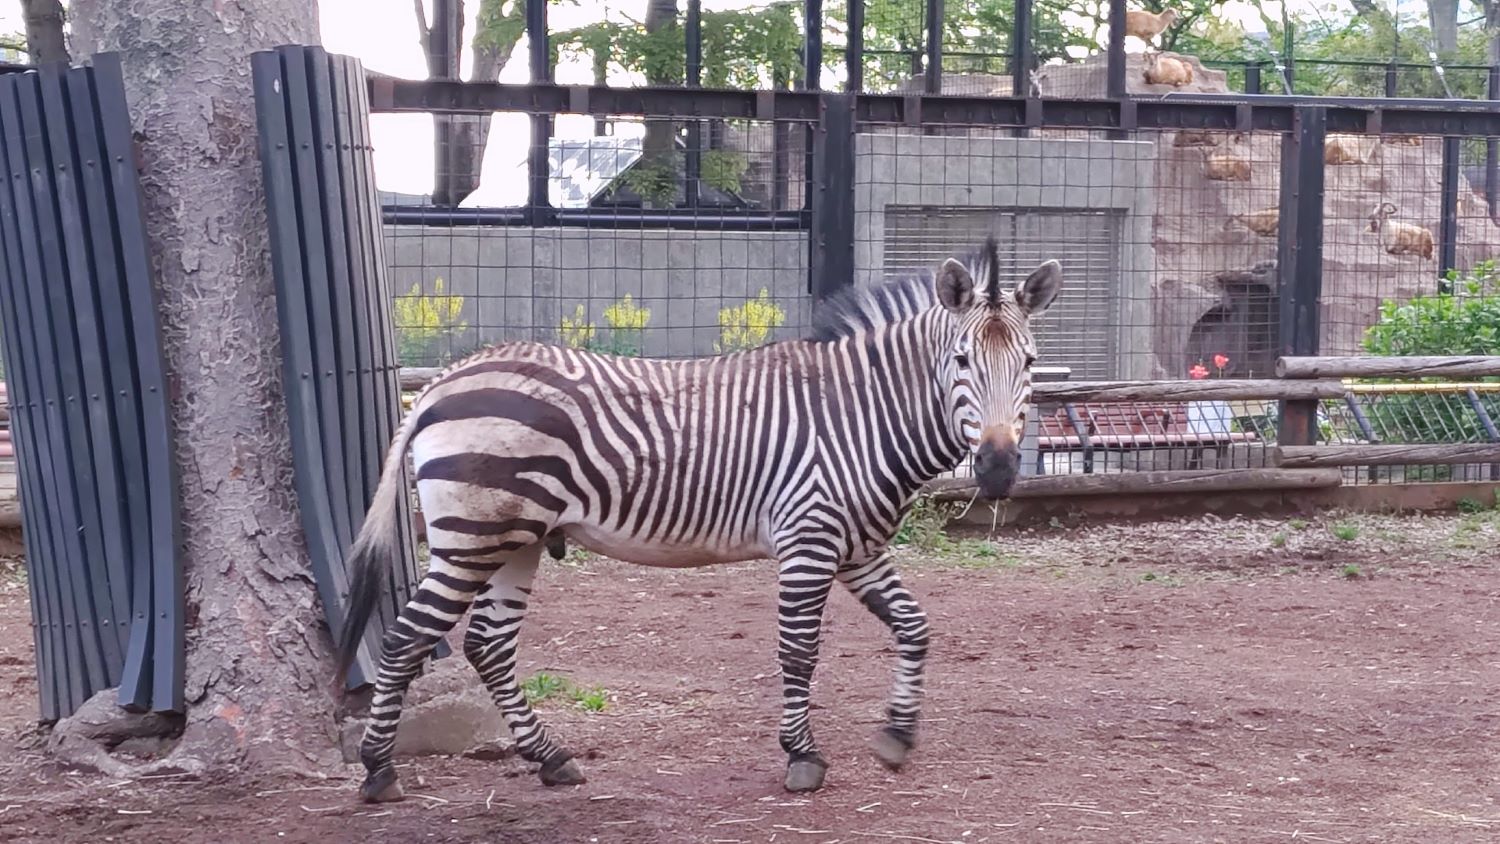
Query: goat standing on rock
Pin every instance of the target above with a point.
(1397, 237)
(1146, 26)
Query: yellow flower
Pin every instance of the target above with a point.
(577, 332)
(421, 319)
(625, 314)
(747, 326)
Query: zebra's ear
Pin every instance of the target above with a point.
(1036, 293)
(955, 286)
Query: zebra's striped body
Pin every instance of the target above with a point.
(807, 452)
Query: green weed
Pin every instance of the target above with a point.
(1278, 540)
(1346, 531)
(1351, 571)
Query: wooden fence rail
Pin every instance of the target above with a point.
(1474, 366)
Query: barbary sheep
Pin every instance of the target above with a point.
(1350, 149)
(1397, 237)
(1195, 138)
(1264, 222)
(1166, 70)
(1146, 26)
(1225, 167)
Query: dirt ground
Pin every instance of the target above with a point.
(1336, 680)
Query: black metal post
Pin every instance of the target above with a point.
(812, 44)
(934, 73)
(1392, 79)
(692, 163)
(832, 231)
(1288, 60)
(442, 63)
(1252, 78)
(1021, 52)
(854, 53)
(1448, 227)
(1299, 258)
(1114, 84)
(1492, 153)
(537, 166)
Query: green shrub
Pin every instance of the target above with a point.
(1465, 321)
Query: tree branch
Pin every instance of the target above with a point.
(44, 31)
(424, 33)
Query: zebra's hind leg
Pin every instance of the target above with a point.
(445, 593)
(490, 645)
(877, 585)
(804, 583)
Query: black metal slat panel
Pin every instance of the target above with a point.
(28, 425)
(293, 312)
(49, 309)
(297, 96)
(107, 563)
(123, 407)
(326, 154)
(387, 383)
(358, 267)
(166, 628)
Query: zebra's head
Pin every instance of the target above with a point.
(986, 370)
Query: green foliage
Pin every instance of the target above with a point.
(542, 686)
(925, 526)
(499, 25)
(1463, 322)
(748, 326)
(723, 169)
(627, 323)
(1351, 571)
(424, 322)
(654, 179)
(1347, 531)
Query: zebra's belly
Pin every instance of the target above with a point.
(646, 552)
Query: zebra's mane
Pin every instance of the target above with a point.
(859, 309)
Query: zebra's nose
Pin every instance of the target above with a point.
(996, 467)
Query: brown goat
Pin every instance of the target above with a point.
(1225, 167)
(1195, 138)
(1265, 222)
(1167, 70)
(1397, 237)
(1350, 149)
(1146, 26)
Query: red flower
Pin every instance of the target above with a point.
(1198, 372)
(1221, 361)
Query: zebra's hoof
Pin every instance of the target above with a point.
(805, 773)
(382, 787)
(562, 772)
(891, 748)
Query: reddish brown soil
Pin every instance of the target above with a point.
(1249, 690)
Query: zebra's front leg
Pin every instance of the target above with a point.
(442, 598)
(490, 645)
(877, 585)
(804, 582)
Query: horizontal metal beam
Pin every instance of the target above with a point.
(1267, 112)
(599, 218)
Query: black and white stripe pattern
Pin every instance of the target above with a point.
(809, 452)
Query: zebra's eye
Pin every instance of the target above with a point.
(962, 359)
(1030, 359)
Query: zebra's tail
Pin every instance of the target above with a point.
(369, 557)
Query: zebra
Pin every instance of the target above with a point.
(809, 452)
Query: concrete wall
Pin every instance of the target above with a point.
(989, 171)
(518, 283)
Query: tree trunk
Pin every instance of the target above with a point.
(258, 667)
(44, 31)
(498, 28)
(1443, 15)
(658, 147)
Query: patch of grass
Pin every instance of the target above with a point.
(1471, 506)
(1161, 579)
(980, 554)
(1347, 531)
(1278, 540)
(542, 686)
(1351, 571)
(926, 526)
(577, 557)
(1298, 524)
(590, 700)
(12, 573)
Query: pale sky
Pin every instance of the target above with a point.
(382, 34)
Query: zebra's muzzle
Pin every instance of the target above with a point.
(996, 468)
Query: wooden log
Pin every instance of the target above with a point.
(1310, 456)
(1179, 391)
(414, 378)
(1150, 483)
(1471, 366)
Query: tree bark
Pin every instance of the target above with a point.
(44, 31)
(1443, 15)
(499, 26)
(258, 667)
(658, 147)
